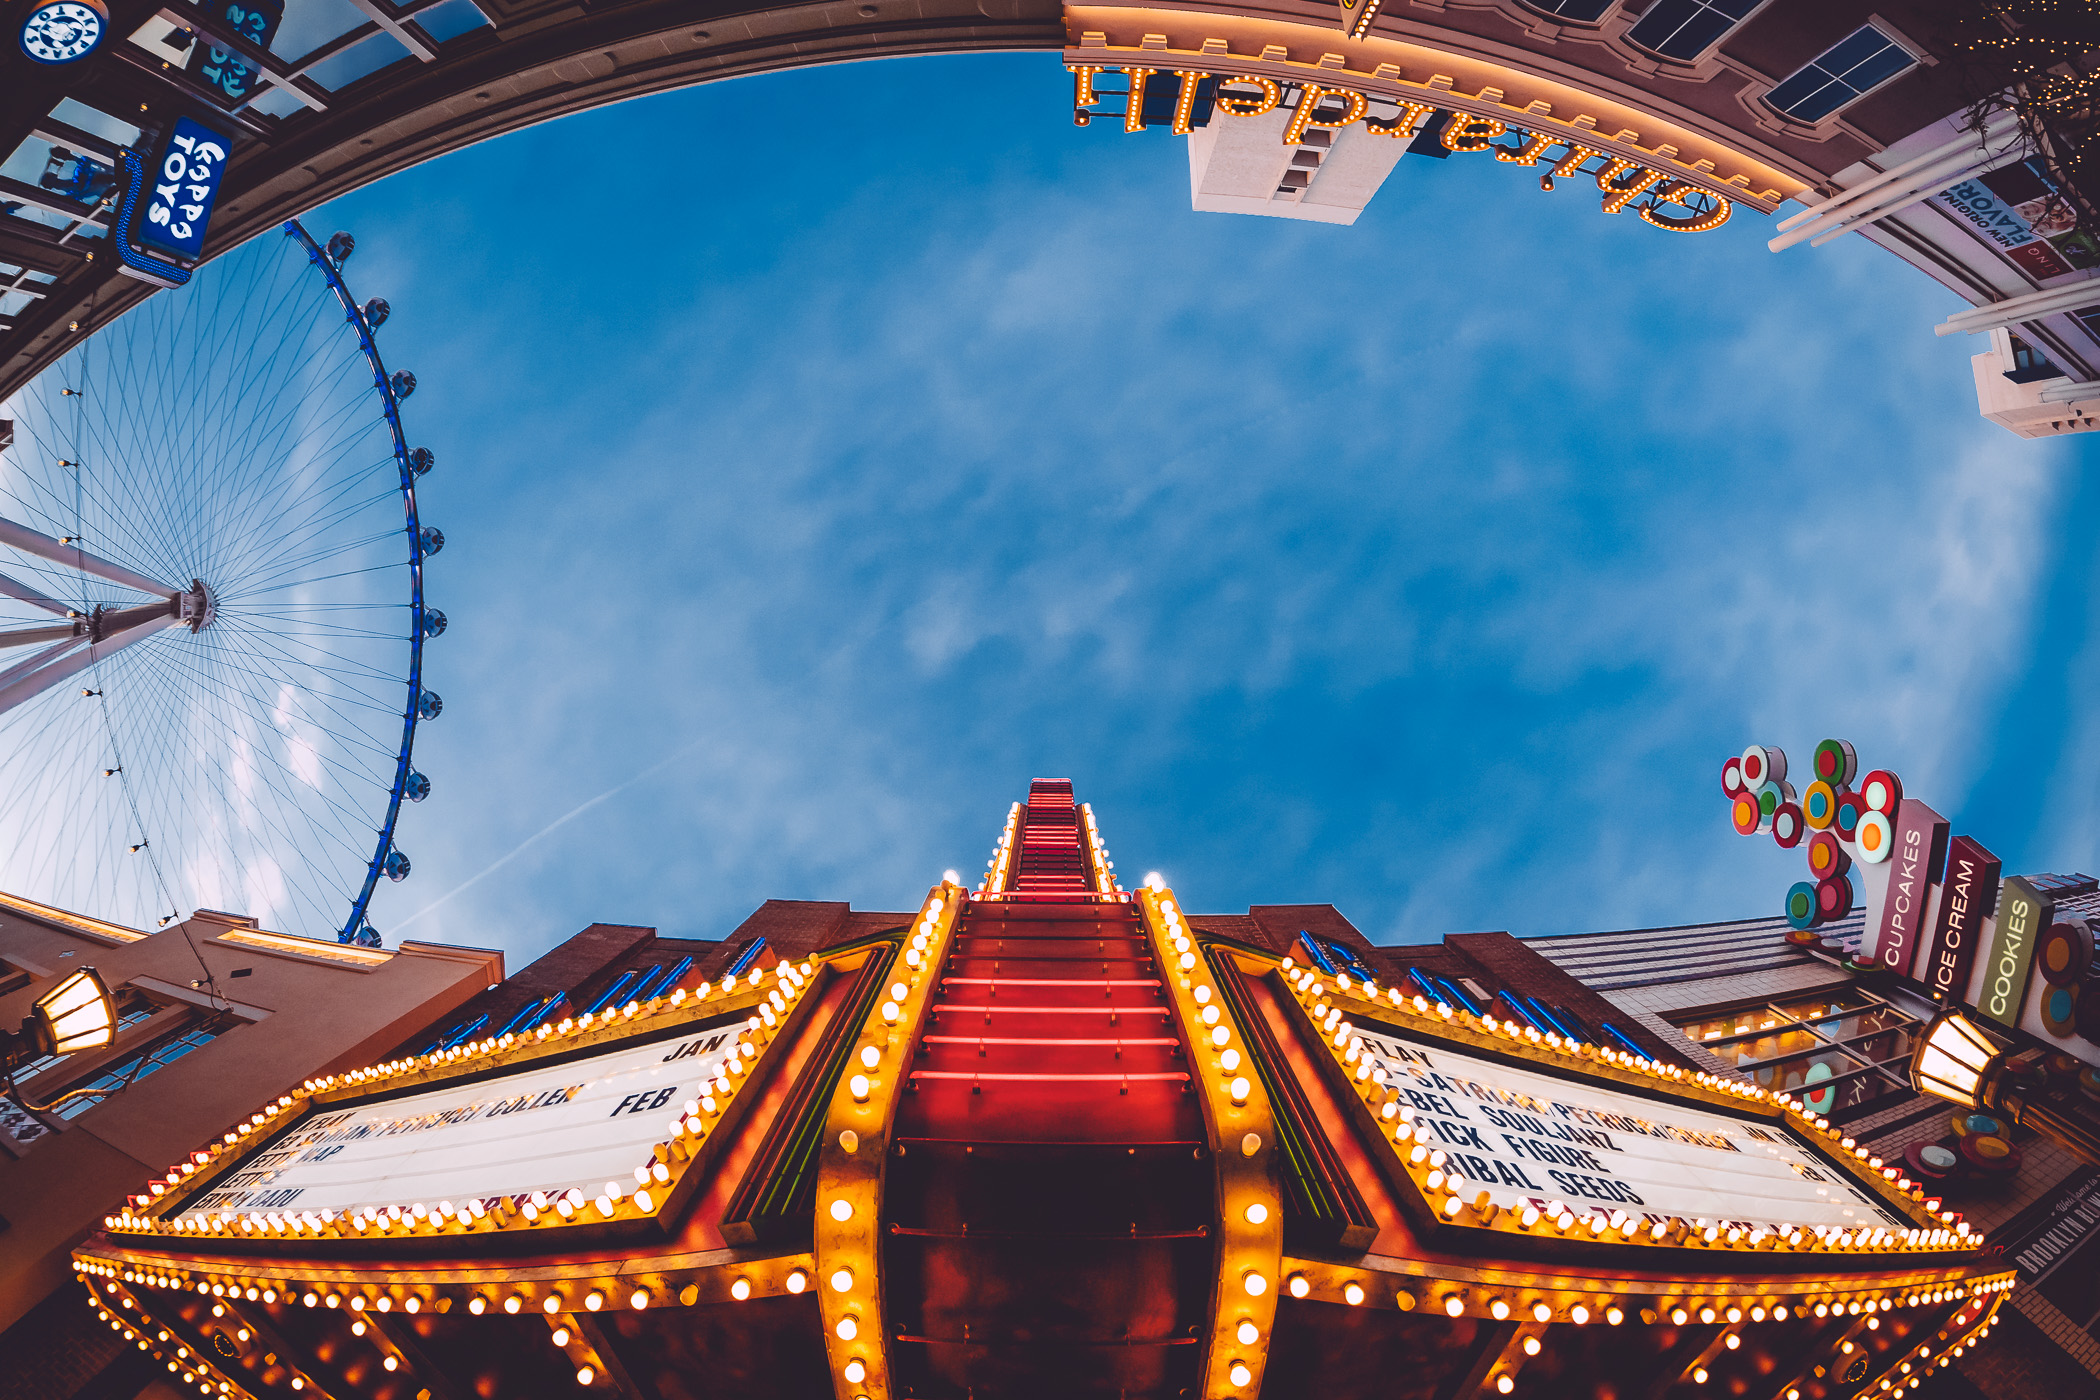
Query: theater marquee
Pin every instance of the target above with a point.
(1530, 1138)
(576, 1124)
(1491, 1125)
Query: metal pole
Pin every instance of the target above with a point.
(1873, 183)
(2022, 308)
(40, 681)
(73, 556)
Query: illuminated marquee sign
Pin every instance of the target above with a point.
(1623, 183)
(1530, 1139)
(578, 1124)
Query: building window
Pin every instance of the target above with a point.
(134, 1011)
(1855, 65)
(2030, 364)
(1684, 29)
(132, 1068)
(1838, 1052)
(1580, 11)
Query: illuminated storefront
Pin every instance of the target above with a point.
(1046, 1137)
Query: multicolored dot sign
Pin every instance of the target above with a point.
(1839, 824)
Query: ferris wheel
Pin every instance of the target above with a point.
(211, 607)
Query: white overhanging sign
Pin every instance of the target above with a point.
(1531, 1138)
(578, 1124)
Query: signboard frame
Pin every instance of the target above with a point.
(687, 1161)
(1460, 1033)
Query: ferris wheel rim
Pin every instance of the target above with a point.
(411, 709)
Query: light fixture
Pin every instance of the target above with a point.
(77, 1014)
(1957, 1062)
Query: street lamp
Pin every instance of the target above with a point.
(77, 1014)
(1957, 1062)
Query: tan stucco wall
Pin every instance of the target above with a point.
(303, 1010)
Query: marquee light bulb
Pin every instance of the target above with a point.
(1241, 1375)
(842, 1281)
(841, 1210)
(856, 1371)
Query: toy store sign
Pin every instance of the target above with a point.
(578, 1124)
(1529, 1137)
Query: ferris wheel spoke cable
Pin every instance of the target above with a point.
(234, 451)
(287, 810)
(260, 572)
(349, 736)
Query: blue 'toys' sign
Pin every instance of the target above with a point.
(183, 182)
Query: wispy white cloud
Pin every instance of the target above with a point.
(1428, 566)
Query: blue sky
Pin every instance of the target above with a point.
(822, 456)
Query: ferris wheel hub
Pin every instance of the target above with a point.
(196, 607)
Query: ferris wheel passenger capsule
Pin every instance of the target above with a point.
(433, 540)
(433, 622)
(404, 384)
(421, 461)
(340, 248)
(415, 787)
(395, 865)
(375, 313)
(429, 705)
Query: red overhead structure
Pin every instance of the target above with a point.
(1046, 1129)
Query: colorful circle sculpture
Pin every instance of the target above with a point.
(2060, 1010)
(1836, 762)
(1930, 1161)
(1826, 857)
(1749, 818)
(1838, 824)
(1844, 818)
(1990, 1153)
(1769, 795)
(1763, 765)
(1819, 805)
(1874, 837)
(1801, 908)
(2065, 954)
(1818, 1100)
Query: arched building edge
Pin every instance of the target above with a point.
(535, 68)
